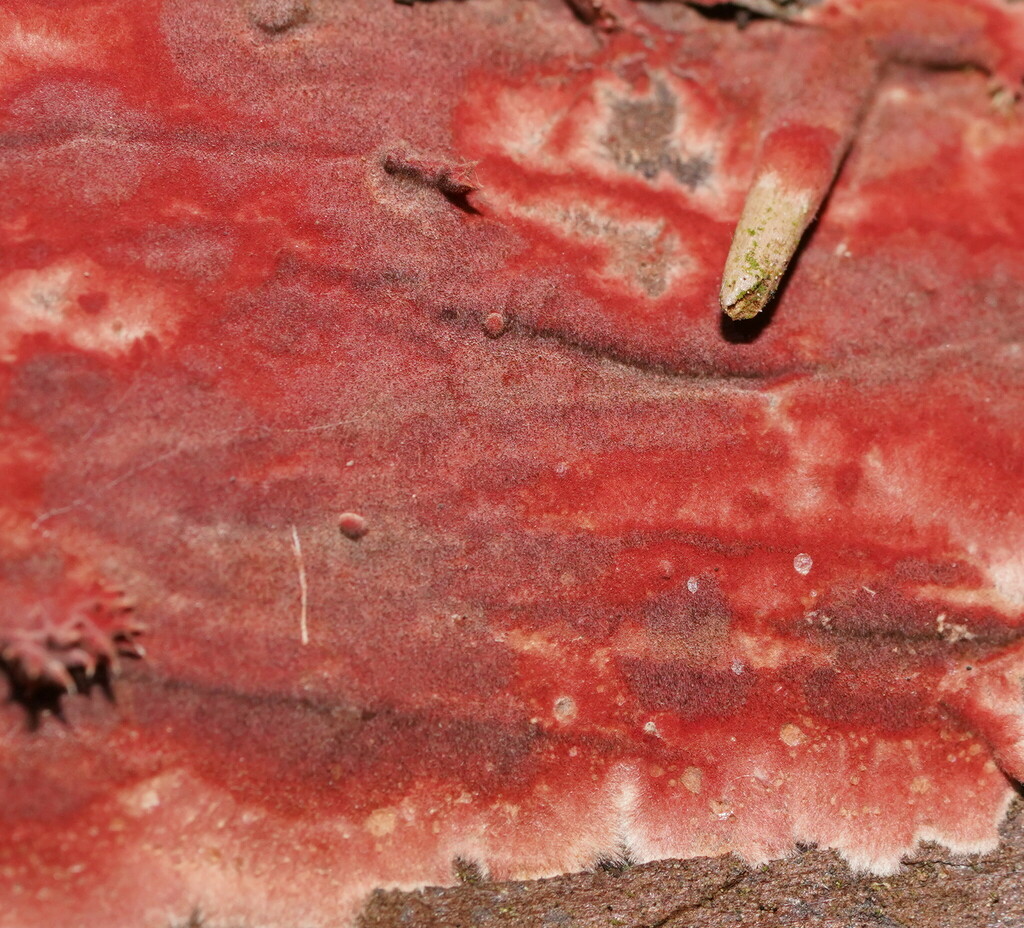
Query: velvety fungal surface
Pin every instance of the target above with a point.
(364, 362)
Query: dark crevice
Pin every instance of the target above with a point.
(744, 12)
(748, 331)
(452, 181)
(747, 379)
(333, 710)
(460, 201)
(634, 362)
(740, 16)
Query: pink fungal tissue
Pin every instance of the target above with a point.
(513, 431)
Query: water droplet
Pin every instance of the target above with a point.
(692, 584)
(802, 564)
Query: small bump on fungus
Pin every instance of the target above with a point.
(353, 526)
(494, 324)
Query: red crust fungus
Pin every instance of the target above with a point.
(638, 577)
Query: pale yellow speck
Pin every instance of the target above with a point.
(792, 735)
(381, 822)
(692, 779)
